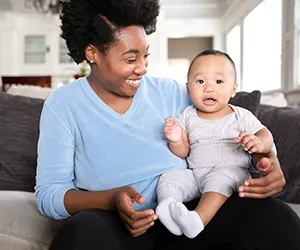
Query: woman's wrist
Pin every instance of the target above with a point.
(112, 204)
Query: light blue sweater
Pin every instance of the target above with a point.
(84, 144)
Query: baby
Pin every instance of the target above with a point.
(217, 138)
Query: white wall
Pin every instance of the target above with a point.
(158, 48)
(197, 27)
(180, 28)
(7, 34)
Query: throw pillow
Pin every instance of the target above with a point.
(284, 123)
(247, 100)
(19, 130)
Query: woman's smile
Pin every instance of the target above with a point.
(134, 83)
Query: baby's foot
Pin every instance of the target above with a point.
(189, 222)
(163, 213)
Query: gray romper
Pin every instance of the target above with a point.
(216, 162)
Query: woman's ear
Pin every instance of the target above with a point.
(90, 53)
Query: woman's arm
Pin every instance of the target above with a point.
(78, 200)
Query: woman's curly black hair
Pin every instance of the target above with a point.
(97, 22)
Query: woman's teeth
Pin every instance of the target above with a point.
(133, 82)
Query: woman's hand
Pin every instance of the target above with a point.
(271, 181)
(137, 222)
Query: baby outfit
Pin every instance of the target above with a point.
(216, 162)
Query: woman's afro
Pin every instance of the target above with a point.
(96, 22)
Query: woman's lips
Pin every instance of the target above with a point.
(133, 83)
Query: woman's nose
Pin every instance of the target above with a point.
(141, 69)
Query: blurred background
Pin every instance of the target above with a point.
(262, 37)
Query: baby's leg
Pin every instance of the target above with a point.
(193, 222)
(218, 185)
(178, 185)
(209, 205)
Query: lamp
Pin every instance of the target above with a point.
(45, 6)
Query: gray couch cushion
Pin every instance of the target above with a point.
(22, 226)
(284, 123)
(247, 100)
(19, 129)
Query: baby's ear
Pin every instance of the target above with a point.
(234, 89)
(187, 89)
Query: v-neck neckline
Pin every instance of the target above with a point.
(99, 102)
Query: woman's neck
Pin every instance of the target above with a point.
(119, 104)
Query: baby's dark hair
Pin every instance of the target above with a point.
(98, 22)
(215, 53)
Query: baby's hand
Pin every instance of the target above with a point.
(172, 129)
(250, 142)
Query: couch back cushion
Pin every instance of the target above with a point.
(19, 130)
(250, 101)
(284, 123)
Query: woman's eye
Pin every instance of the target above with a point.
(219, 81)
(200, 81)
(146, 55)
(131, 60)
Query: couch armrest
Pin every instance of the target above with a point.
(22, 226)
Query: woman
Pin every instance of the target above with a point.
(101, 148)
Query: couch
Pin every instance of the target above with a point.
(23, 227)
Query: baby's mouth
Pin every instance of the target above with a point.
(209, 101)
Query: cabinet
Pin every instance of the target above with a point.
(45, 53)
(31, 45)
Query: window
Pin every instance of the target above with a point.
(63, 52)
(262, 47)
(233, 48)
(35, 49)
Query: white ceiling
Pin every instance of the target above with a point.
(171, 8)
(193, 8)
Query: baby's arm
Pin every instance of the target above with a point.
(260, 142)
(177, 137)
(267, 140)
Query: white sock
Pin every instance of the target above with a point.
(189, 221)
(163, 213)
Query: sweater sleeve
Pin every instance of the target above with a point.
(55, 171)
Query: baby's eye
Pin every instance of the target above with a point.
(200, 81)
(219, 81)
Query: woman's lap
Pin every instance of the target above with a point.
(246, 224)
(96, 229)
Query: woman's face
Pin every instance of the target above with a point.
(119, 70)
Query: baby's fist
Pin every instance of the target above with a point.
(172, 129)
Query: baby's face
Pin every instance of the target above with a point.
(211, 83)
